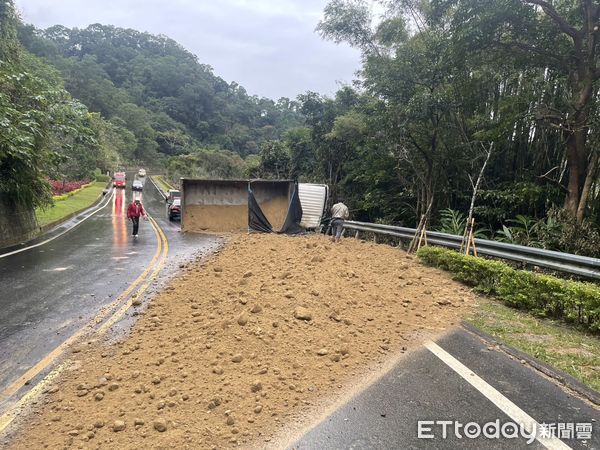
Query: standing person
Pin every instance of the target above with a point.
(135, 210)
(339, 213)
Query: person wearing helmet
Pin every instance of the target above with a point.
(134, 212)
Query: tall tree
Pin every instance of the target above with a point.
(558, 37)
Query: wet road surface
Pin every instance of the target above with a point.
(50, 291)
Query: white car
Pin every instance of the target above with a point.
(142, 173)
(137, 186)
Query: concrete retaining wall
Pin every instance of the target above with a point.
(17, 224)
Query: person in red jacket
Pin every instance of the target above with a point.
(135, 210)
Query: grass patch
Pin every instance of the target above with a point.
(162, 183)
(73, 203)
(571, 350)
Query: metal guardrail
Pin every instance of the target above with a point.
(582, 266)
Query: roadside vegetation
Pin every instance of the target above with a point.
(62, 189)
(554, 320)
(162, 183)
(543, 295)
(443, 85)
(71, 204)
(574, 351)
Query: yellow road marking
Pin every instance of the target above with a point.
(50, 357)
(12, 412)
(119, 313)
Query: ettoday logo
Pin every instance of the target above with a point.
(445, 429)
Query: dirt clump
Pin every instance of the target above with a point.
(286, 326)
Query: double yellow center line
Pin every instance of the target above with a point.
(106, 318)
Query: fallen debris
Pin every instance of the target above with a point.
(254, 341)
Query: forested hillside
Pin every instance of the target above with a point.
(173, 104)
(447, 88)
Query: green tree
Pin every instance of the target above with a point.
(40, 122)
(560, 39)
(302, 156)
(274, 160)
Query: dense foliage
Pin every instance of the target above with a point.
(173, 104)
(544, 295)
(45, 133)
(64, 187)
(444, 83)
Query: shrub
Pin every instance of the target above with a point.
(543, 295)
(452, 222)
(481, 274)
(102, 178)
(561, 232)
(64, 187)
(58, 198)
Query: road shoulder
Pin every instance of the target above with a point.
(422, 387)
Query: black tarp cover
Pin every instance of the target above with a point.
(257, 221)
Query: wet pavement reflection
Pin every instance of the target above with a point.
(50, 291)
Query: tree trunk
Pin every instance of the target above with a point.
(577, 145)
(587, 186)
(583, 73)
(478, 183)
(577, 160)
(572, 197)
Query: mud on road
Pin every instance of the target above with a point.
(247, 347)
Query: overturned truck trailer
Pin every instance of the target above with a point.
(239, 205)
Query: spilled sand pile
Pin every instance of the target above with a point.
(250, 344)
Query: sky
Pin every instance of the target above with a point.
(267, 46)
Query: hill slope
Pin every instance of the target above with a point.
(161, 92)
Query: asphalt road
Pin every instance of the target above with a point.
(422, 387)
(50, 291)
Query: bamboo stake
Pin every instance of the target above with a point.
(423, 235)
(470, 241)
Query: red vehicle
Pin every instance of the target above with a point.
(120, 180)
